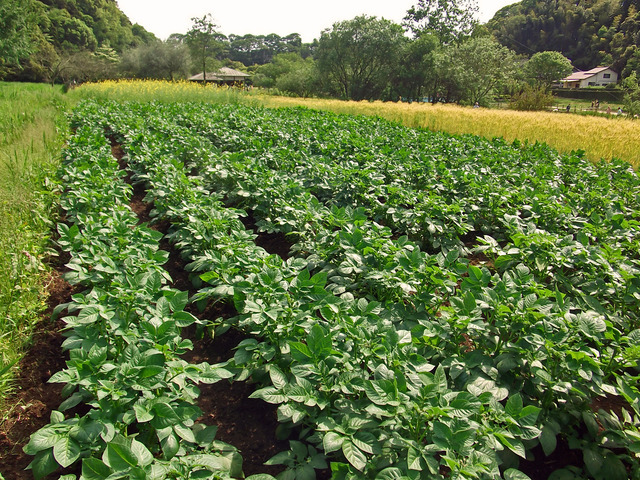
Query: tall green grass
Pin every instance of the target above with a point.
(32, 131)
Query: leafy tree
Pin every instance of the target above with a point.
(266, 75)
(47, 34)
(545, 68)
(289, 73)
(445, 86)
(631, 87)
(204, 41)
(302, 80)
(590, 33)
(15, 25)
(633, 65)
(261, 49)
(160, 60)
(483, 65)
(531, 98)
(450, 20)
(356, 58)
(416, 67)
(67, 33)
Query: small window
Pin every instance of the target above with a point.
(606, 75)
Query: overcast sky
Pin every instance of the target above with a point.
(261, 17)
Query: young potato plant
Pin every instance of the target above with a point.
(299, 399)
(125, 347)
(451, 303)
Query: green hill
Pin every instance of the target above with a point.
(59, 35)
(589, 32)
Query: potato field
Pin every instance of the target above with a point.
(414, 305)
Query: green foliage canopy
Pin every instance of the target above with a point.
(290, 73)
(41, 38)
(204, 40)
(15, 39)
(356, 57)
(416, 68)
(482, 65)
(544, 68)
(159, 60)
(261, 49)
(598, 32)
(450, 21)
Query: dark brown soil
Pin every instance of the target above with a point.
(247, 424)
(276, 243)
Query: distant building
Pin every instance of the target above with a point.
(596, 77)
(224, 76)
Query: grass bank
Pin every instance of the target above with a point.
(599, 137)
(32, 131)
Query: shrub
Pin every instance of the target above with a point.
(532, 98)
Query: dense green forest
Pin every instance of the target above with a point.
(58, 35)
(588, 32)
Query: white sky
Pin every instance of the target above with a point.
(261, 17)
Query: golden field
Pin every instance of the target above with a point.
(600, 137)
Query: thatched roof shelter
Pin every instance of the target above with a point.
(225, 75)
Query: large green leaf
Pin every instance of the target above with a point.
(42, 439)
(119, 457)
(43, 464)
(94, 469)
(354, 455)
(513, 474)
(142, 453)
(332, 442)
(66, 451)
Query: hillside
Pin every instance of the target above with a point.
(589, 32)
(69, 33)
(73, 24)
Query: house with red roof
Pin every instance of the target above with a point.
(596, 77)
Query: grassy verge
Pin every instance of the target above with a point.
(599, 137)
(32, 129)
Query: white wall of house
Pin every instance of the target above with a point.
(600, 79)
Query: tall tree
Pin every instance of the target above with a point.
(483, 65)
(545, 68)
(416, 68)
(160, 60)
(450, 20)
(590, 33)
(631, 86)
(204, 41)
(357, 57)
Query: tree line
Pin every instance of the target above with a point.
(438, 53)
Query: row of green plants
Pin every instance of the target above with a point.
(130, 398)
(347, 377)
(476, 203)
(510, 333)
